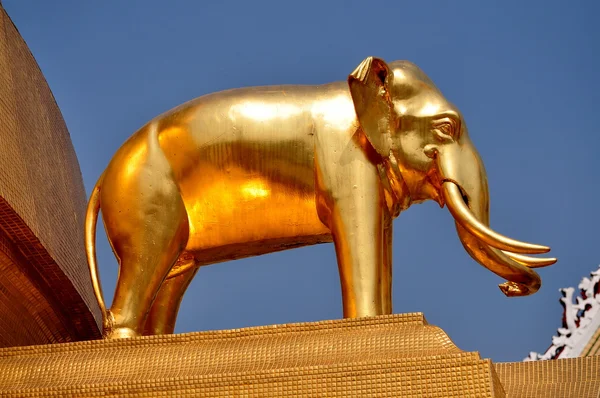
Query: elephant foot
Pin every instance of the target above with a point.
(120, 333)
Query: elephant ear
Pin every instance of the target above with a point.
(370, 89)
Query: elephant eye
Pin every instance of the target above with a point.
(443, 131)
(445, 128)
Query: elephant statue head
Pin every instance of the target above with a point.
(427, 154)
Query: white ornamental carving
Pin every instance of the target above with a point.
(580, 321)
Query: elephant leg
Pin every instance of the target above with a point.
(147, 225)
(357, 229)
(163, 314)
(143, 268)
(386, 266)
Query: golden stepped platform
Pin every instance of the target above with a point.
(560, 378)
(387, 356)
(397, 355)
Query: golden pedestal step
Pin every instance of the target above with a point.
(386, 356)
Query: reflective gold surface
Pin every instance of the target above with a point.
(250, 171)
(384, 356)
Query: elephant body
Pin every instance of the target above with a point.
(232, 165)
(225, 177)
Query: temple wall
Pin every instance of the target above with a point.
(42, 207)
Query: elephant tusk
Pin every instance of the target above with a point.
(463, 215)
(522, 280)
(531, 262)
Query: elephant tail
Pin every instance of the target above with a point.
(91, 220)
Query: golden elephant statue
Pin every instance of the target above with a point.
(250, 171)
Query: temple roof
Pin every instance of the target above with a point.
(580, 332)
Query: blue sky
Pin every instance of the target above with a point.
(524, 74)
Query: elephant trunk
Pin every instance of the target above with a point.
(464, 189)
